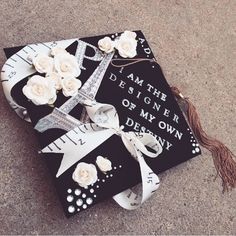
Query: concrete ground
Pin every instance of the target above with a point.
(194, 41)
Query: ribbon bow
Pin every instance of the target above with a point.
(77, 143)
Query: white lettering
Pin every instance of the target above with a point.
(113, 77)
(147, 116)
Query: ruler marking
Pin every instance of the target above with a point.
(70, 139)
(31, 48)
(50, 148)
(9, 65)
(62, 139)
(45, 45)
(4, 80)
(81, 130)
(12, 59)
(56, 146)
(91, 126)
(23, 59)
(75, 131)
(24, 51)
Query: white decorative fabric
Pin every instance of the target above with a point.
(85, 138)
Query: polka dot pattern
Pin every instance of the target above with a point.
(195, 145)
(81, 198)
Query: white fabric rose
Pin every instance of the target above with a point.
(129, 34)
(103, 164)
(56, 78)
(106, 44)
(57, 50)
(85, 174)
(43, 63)
(66, 65)
(40, 90)
(70, 86)
(126, 45)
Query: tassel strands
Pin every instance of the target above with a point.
(223, 158)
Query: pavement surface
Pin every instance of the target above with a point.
(194, 42)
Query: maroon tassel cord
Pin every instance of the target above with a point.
(223, 158)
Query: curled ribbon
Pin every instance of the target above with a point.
(77, 143)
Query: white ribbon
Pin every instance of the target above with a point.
(80, 141)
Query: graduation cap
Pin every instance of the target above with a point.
(106, 118)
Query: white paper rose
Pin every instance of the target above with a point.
(43, 63)
(40, 90)
(70, 86)
(85, 174)
(126, 46)
(56, 78)
(66, 65)
(57, 50)
(106, 44)
(129, 34)
(103, 164)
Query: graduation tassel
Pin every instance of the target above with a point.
(223, 158)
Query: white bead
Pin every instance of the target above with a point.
(71, 209)
(79, 202)
(89, 201)
(70, 198)
(77, 192)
